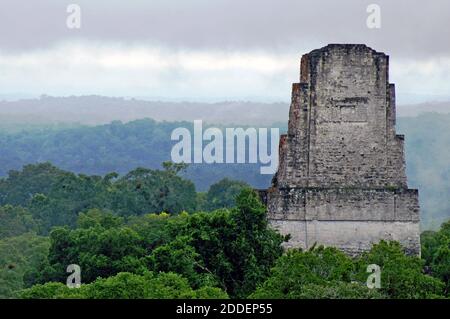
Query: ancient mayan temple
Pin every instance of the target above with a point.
(341, 178)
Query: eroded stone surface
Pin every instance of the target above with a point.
(341, 179)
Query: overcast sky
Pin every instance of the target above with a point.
(211, 49)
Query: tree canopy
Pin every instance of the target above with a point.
(148, 234)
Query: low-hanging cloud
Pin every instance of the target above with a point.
(199, 49)
(409, 27)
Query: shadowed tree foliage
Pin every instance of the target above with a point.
(126, 286)
(55, 198)
(223, 194)
(328, 273)
(402, 276)
(20, 186)
(235, 246)
(103, 246)
(15, 221)
(110, 228)
(151, 191)
(122, 147)
(18, 256)
(316, 273)
(230, 249)
(436, 253)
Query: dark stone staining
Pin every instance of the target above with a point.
(341, 158)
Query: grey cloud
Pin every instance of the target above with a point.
(409, 28)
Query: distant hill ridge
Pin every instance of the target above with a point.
(94, 110)
(122, 147)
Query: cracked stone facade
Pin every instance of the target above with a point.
(341, 178)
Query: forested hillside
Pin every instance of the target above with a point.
(115, 147)
(148, 234)
(120, 148)
(427, 147)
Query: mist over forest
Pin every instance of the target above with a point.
(94, 110)
(98, 135)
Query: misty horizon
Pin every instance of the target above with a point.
(214, 52)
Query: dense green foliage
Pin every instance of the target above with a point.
(232, 249)
(436, 253)
(52, 197)
(402, 276)
(55, 198)
(328, 273)
(297, 272)
(121, 148)
(235, 246)
(115, 147)
(126, 286)
(223, 194)
(15, 221)
(18, 256)
(148, 234)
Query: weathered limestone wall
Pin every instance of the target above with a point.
(351, 219)
(342, 121)
(352, 237)
(341, 179)
(343, 204)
